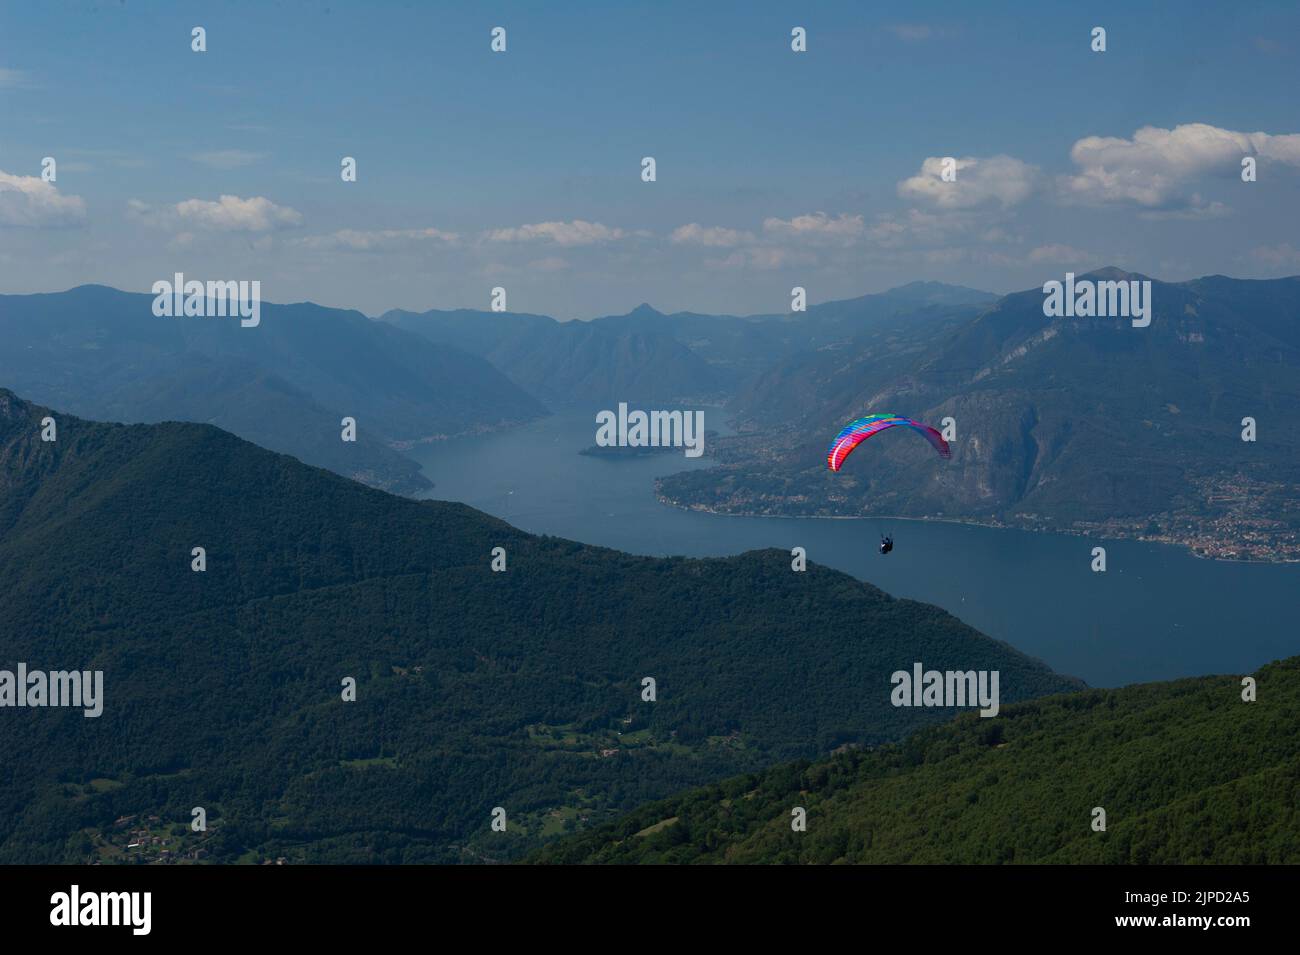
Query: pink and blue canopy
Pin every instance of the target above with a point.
(855, 432)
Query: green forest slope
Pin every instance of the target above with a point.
(1187, 772)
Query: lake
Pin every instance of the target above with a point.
(1157, 613)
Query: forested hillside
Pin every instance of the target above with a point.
(1187, 772)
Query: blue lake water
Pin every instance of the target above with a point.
(1157, 613)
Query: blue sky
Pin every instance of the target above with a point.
(522, 169)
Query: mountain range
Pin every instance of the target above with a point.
(646, 355)
(1080, 424)
(286, 383)
(1086, 425)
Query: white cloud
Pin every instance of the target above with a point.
(714, 236)
(233, 214)
(228, 158)
(782, 242)
(996, 179)
(1155, 167)
(817, 227)
(227, 214)
(377, 240)
(887, 231)
(577, 232)
(917, 226)
(31, 202)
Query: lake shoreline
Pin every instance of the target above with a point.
(967, 522)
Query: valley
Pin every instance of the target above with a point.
(474, 688)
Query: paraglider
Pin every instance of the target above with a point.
(855, 432)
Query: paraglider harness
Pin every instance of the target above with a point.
(886, 544)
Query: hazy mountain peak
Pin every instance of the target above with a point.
(927, 287)
(645, 310)
(1113, 273)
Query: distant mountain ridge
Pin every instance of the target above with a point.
(286, 383)
(651, 356)
(407, 378)
(573, 362)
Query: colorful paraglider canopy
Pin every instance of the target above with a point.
(855, 432)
